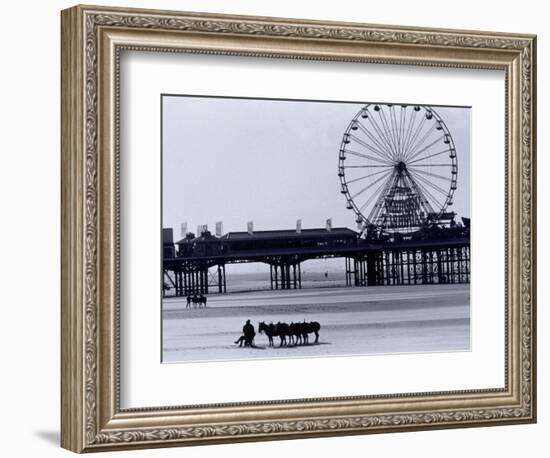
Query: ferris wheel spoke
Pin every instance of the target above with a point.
(429, 183)
(378, 207)
(428, 199)
(365, 166)
(380, 133)
(412, 156)
(410, 127)
(366, 156)
(374, 197)
(428, 157)
(396, 132)
(423, 181)
(401, 130)
(385, 153)
(419, 127)
(435, 175)
(412, 152)
(378, 197)
(370, 185)
(388, 132)
(366, 176)
(423, 194)
(430, 165)
(369, 147)
(396, 129)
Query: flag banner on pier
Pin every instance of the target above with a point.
(219, 229)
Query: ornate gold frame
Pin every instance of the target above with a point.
(92, 38)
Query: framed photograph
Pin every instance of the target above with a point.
(278, 228)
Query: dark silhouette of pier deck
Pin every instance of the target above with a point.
(433, 256)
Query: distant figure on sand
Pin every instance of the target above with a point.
(248, 335)
(196, 299)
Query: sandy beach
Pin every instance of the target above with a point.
(383, 319)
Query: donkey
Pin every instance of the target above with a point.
(282, 330)
(271, 330)
(295, 333)
(196, 300)
(268, 329)
(308, 328)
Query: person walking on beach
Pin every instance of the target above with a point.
(248, 335)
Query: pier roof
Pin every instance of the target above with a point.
(291, 233)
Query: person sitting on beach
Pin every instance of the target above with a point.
(248, 335)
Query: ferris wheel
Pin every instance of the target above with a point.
(398, 167)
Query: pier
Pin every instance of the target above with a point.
(197, 265)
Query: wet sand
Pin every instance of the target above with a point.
(383, 319)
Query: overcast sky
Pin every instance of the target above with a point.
(268, 161)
